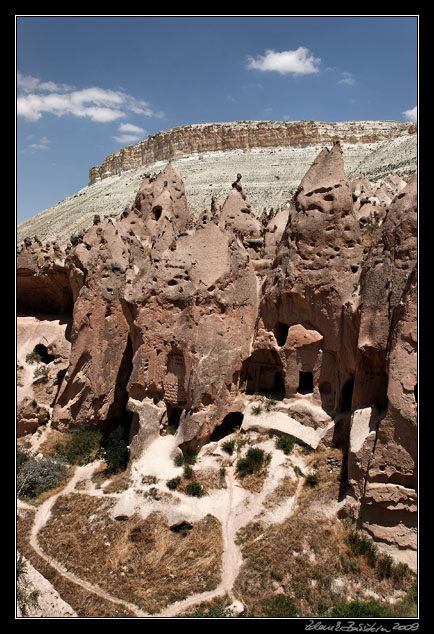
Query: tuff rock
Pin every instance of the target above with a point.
(161, 321)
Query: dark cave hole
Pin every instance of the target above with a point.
(173, 417)
(305, 383)
(42, 351)
(230, 423)
(347, 394)
(156, 212)
(281, 333)
(182, 529)
(279, 385)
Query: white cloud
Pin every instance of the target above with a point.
(28, 83)
(129, 127)
(347, 79)
(37, 98)
(298, 62)
(132, 133)
(410, 115)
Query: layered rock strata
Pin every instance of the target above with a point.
(213, 137)
(173, 321)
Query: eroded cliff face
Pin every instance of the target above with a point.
(213, 137)
(172, 321)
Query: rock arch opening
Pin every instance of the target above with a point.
(229, 424)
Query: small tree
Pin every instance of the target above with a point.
(115, 450)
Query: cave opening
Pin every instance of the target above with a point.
(278, 385)
(281, 333)
(173, 417)
(305, 383)
(347, 394)
(41, 352)
(231, 422)
(156, 212)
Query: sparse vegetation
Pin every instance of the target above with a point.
(279, 606)
(256, 409)
(27, 596)
(37, 475)
(173, 483)
(115, 451)
(360, 609)
(83, 445)
(228, 446)
(285, 443)
(252, 462)
(33, 357)
(194, 489)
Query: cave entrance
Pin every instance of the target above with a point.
(173, 417)
(347, 394)
(281, 333)
(156, 212)
(263, 373)
(278, 385)
(42, 354)
(231, 422)
(305, 383)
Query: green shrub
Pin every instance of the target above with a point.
(256, 409)
(194, 489)
(229, 446)
(384, 566)
(252, 462)
(115, 450)
(173, 483)
(190, 457)
(285, 443)
(362, 609)
(83, 445)
(188, 471)
(312, 479)
(279, 606)
(363, 545)
(179, 460)
(36, 476)
(33, 357)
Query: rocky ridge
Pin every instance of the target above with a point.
(271, 171)
(152, 319)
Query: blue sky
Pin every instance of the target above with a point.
(88, 86)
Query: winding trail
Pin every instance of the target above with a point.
(241, 508)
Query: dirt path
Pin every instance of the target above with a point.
(241, 507)
(42, 516)
(237, 514)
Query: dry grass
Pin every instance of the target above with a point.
(307, 556)
(140, 561)
(285, 489)
(53, 439)
(86, 604)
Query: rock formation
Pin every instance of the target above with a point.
(171, 321)
(214, 137)
(272, 156)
